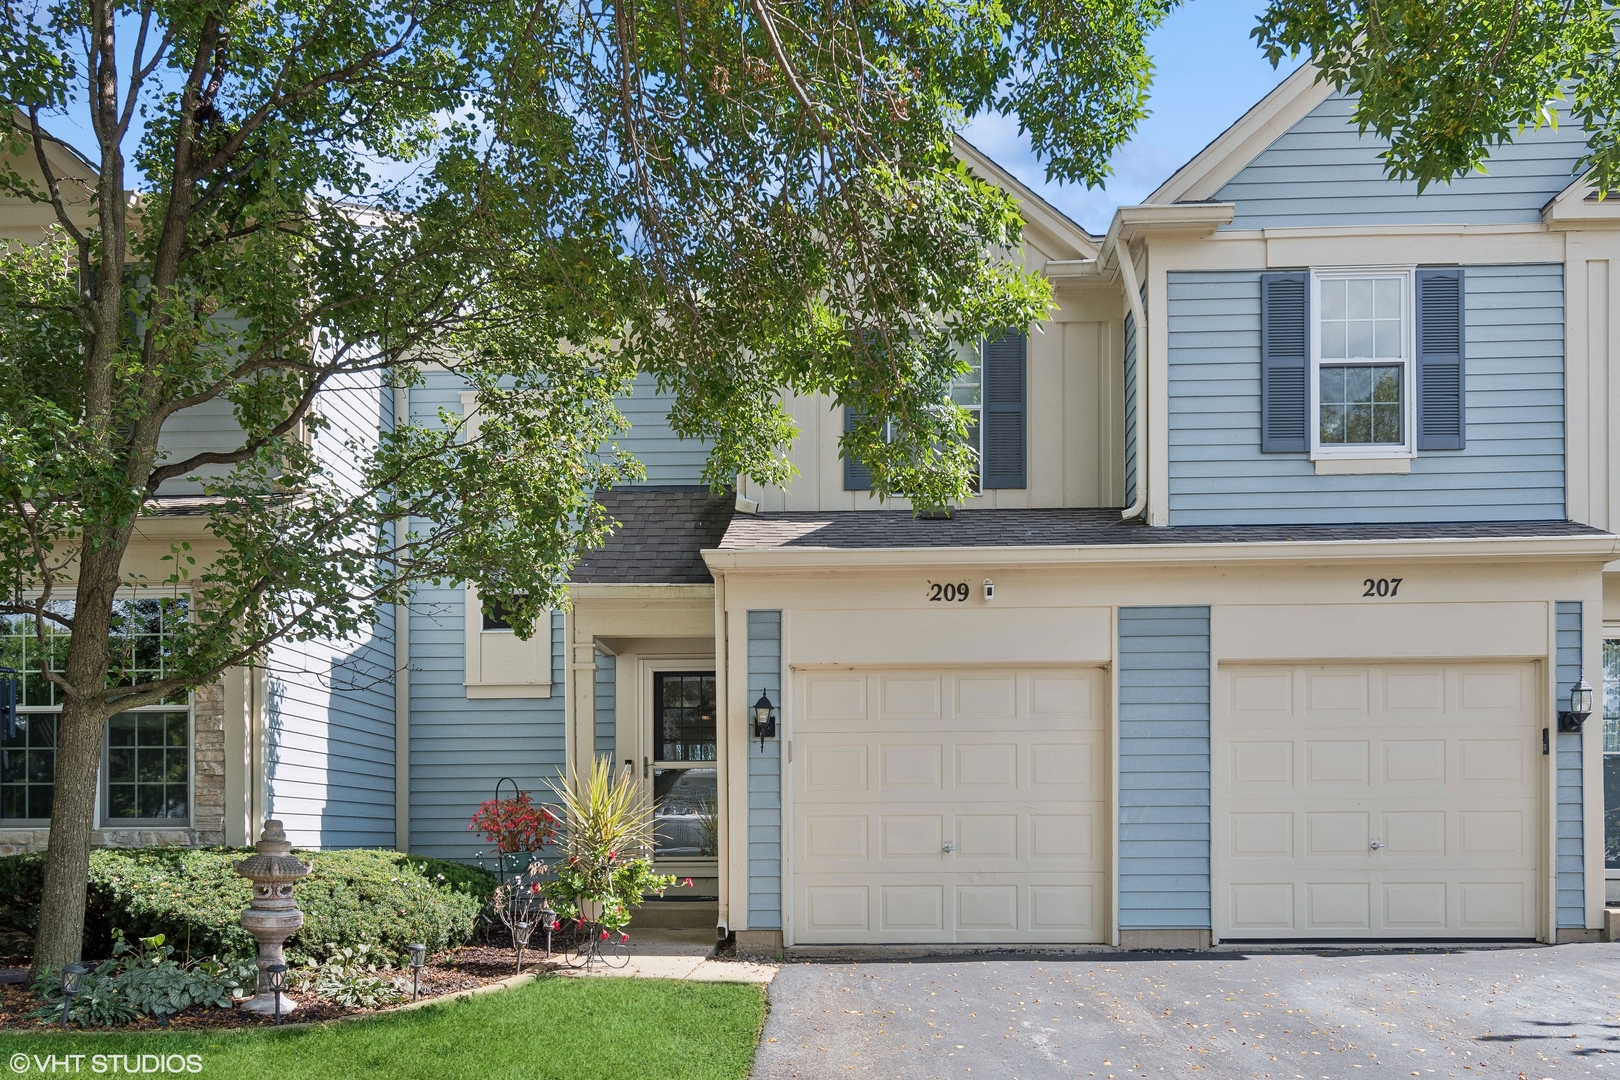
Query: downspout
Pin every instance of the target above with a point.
(402, 672)
(1133, 297)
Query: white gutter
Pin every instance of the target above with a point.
(1586, 548)
(402, 671)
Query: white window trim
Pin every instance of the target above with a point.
(533, 659)
(1382, 452)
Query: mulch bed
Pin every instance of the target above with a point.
(452, 972)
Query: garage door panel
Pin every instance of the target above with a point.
(1376, 801)
(1017, 797)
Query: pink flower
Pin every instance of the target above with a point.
(604, 935)
(613, 854)
(687, 882)
(623, 936)
(556, 924)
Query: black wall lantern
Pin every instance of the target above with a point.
(764, 719)
(1580, 707)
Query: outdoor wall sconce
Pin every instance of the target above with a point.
(989, 589)
(418, 958)
(1580, 707)
(764, 719)
(276, 976)
(72, 981)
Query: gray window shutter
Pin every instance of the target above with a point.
(1442, 422)
(1006, 412)
(1285, 345)
(856, 476)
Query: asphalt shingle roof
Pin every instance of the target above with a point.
(864, 529)
(660, 538)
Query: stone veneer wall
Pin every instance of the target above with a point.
(207, 791)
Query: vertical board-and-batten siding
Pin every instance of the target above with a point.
(461, 747)
(1164, 817)
(1324, 172)
(1130, 410)
(330, 713)
(1571, 853)
(1511, 470)
(764, 777)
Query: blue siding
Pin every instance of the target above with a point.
(461, 747)
(1512, 470)
(1164, 823)
(1130, 409)
(764, 777)
(330, 753)
(1571, 864)
(606, 718)
(1323, 172)
(668, 458)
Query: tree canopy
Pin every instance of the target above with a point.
(292, 198)
(1445, 81)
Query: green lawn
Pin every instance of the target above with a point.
(570, 1029)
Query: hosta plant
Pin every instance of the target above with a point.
(350, 976)
(145, 980)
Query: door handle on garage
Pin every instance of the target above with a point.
(1376, 844)
(948, 848)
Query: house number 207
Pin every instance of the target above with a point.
(1384, 586)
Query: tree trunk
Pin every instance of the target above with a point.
(59, 937)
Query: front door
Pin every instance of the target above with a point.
(685, 791)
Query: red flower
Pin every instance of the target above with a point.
(612, 854)
(556, 924)
(604, 935)
(687, 882)
(623, 936)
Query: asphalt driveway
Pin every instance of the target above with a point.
(1511, 1013)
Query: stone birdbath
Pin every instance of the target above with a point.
(271, 916)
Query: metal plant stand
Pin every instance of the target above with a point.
(594, 945)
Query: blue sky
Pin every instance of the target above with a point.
(1208, 73)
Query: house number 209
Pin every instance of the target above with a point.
(1384, 586)
(951, 592)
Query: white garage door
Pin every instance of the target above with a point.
(949, 805)
(1376, 802)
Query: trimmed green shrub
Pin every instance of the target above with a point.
(192, 896)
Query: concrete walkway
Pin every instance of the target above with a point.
(679, 954)
(1524, 1013)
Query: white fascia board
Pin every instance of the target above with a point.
(1578, 207)
(1586, 549)
(634, 591)
(1225, 157)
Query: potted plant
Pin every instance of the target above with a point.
(607, 834)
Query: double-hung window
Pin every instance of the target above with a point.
(146, 758)
(1362, 370)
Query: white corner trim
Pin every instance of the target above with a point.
(1349, 466)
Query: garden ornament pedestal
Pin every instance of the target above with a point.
(271, 916)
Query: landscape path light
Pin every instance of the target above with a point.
(418, 958)
(276, 976)
(72, 983)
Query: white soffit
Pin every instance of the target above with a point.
(1244, 141)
